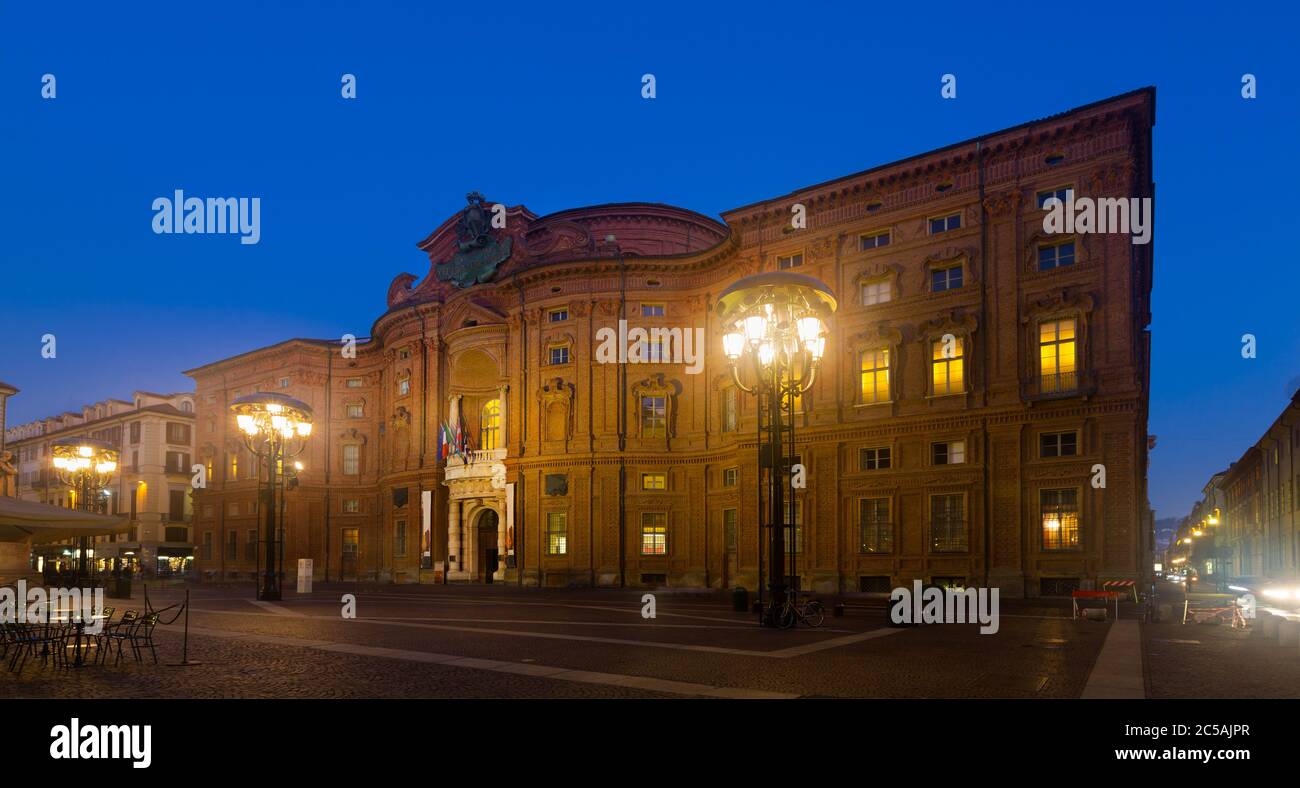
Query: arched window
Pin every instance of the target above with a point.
(489, 433)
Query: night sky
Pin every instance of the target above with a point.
(541, 105)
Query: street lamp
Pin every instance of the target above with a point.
(777, 322)
(86, 465)
(276, 428)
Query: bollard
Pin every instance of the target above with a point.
(838, 610)
(1268, 625)
(1288, 632)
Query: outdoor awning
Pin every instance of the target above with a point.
(43, 523)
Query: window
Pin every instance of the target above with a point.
(729, 408)
(652, 310)
(873, 241)
(284, 383)
(876, 292)
(557, 533)
(798, 527)
(1056, 355)
(729, 530)
(789, 261)
(873, 459)
(876, 533)
(489, 433)
(948, 523)
(655, 353)
(1055, 255)
(351, 459)
(942, 279)
(1063, 193)
(206, 553)
(232, 509)
(250, 546)
(1058, 444)
(654, 417)
(232, 545)
(942, 224)
(654, 481)
(558, 315)
(874, 370)
(176, 506)
(178, 434)
(351, 505)
(559, 354)
(404, 353)
(730, 476)
(654, 533)
(403, 386)
(356, 410)
(950, 453)
(234, 467)
(1060, 511)
(135, 432)
(948, 371)
(353, 383)
(178, 462)
(135, 459)
(399, 538)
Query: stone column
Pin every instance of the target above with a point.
(453, 537)
(500, 574)
(471, 549)
(502, 440)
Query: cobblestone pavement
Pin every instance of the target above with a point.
(511, 642)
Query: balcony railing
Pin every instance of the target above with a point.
(474, 464)
(1059, 386)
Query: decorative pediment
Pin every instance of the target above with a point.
(877, 334)
(354, 435)
(952, 322)
(656, 386)
(1063, 300)
(474, 311)
(556, 390)
(879, 271)
(965, 255)
(1003, 204)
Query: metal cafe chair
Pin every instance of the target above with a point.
(118, 633)
(142, 635)
(31, 640)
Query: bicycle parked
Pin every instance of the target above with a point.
(809, 611)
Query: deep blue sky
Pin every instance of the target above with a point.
(540, 104)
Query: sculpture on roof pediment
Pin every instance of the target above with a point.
(478, 252)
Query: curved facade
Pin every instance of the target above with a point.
(977, 467)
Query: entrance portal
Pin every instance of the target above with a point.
(487, 545)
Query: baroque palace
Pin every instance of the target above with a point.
(975, 464)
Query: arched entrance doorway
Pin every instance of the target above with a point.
(487, 523)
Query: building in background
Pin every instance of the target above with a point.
(980, 418)
(8, 468)
(154, 435)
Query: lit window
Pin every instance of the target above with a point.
(1063, 194)
(941, 224)
(948, 523)
(654, 481)
(876, 533)
(356, 411)
(654, 417)
(351, 459)
(1055, 255)
(1056, 356)
(950, 453)
(876, 292)
(873, 241)
(559, 354)
(942, 279)
(234, 467)
(798, 527)
(404, 386)
(947, 366)
(652, 310)
(874, 459)
(557, 533)
(558, 315)
(789, 261)
(654, 533)
(730, 476)
(1058, 444)
(1060, 513)
(874, 370)
(490, 425)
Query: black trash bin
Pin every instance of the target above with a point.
(739, 599)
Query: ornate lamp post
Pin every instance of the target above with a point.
(776, 324)
(276, 428)
(86, 465)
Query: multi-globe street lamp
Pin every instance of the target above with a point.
(776, 324)
(86, 465)
(275, 428)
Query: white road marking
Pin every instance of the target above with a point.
(499, 666)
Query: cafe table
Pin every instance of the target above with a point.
(79, 627)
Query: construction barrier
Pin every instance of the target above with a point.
(1201, 608)
(1105, 595)
(1125, 587)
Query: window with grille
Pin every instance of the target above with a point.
(399, 538)
(490, 423)
(654, 533)
(729, 408)
(557, 533)
(1056, 355)
(875, 529)
(1060, 518)
(654, 481)
(948, 523)
(351, 459)
(874, 459)
(654, 417)
(729, 529)
(730, 476)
